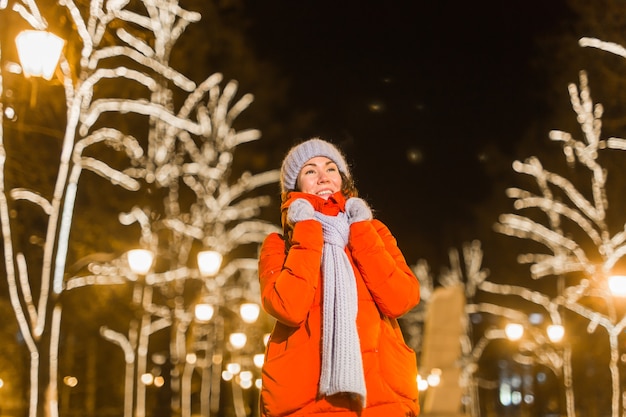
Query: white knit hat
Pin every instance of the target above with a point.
(300, 154)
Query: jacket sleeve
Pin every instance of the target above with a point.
(391, 282)
(289, 281)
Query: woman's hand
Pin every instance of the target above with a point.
(300, 210)
(357, 210)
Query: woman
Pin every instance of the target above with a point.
(336, 282)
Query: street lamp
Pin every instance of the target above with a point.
(249, 312)
(422, 384)
(555, 332)
(204, 312)
(39, 52)
(140, 260)
(514, 331)
(434, 378)
(209, 262)
(258, 360)
(238, 340)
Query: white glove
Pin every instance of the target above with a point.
(357, 210)
(300, 210)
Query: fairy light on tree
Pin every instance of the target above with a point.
(563, 204)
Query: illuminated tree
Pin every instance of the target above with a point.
(574, 242)
(136, 122)
(582, 247)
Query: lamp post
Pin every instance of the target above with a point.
(226, 350)
(140, 262)
(37, 64)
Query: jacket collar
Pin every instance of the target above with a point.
(331, 207)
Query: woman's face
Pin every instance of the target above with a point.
(319, 176)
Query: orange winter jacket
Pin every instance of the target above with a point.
(291, 292)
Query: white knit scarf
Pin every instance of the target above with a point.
(342, 365)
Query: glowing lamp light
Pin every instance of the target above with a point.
(422, 384)
(245, 379)
(234, 368)
(9, 113)
(39, 52)
(209, 262)
(70, 381)
(617, 285)
(514, 331)
(159, 381)
(258, 360)
(147, 379)
(249, 312)
(204, 312)
(238, 340)
(555, 332)
(140, 260)
(434, 378)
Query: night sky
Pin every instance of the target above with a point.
(416, 93)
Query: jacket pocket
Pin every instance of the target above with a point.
(290, 379)
(398, 363)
